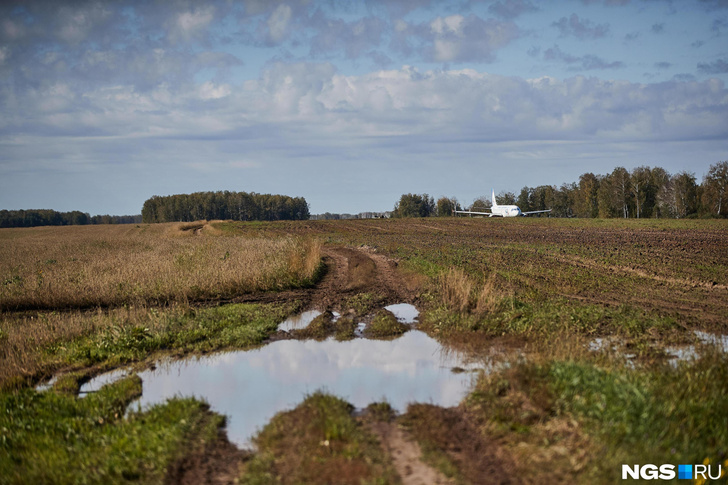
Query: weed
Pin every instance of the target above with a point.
(51, 437)
(637, 415)
(380, 411)
(318, 442)
(385, 325)
(320, 328)
(364, 303)
(124, 335)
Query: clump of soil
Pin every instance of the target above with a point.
(325, 326)
(318, 442)
(385, 325)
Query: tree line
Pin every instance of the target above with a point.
(644, 192)
(48, 217)
(239, 206)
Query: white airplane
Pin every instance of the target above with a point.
(502, 210)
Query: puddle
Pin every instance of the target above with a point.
(712, 339)
(676, 353)
(298, 322)
(252, 386)
(98, 382)
(46, 385)
(689, 352)
(404, 312)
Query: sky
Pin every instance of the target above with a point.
(351, 104)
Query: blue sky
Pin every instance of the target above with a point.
(351, 103)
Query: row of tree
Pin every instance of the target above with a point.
(48, 217)
(642, 193)
(239, 206)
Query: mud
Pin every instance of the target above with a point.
(407, 456)
(217, 462)
(349, 272)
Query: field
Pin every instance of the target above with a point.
(583, 316)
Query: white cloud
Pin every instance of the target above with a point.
(316, 102)
(447, 25)
(210, 90)
(456, 38)
(278, 23)
(190, 25)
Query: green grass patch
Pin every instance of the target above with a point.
(660, 414)
(364, 303)
(318, 442)
(54, 438)
(198, 330)
(516, 317)
(385, 325)
(325, 326)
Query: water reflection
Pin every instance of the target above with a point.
(298, 322)
(404, 312)
(250, 387)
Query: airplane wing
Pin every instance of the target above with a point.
(476, 213)
(534, 212)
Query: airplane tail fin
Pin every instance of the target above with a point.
(492, 198)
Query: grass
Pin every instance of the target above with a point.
(55, 438)
(385, 325)
(559, 414)
(606, 414)
(102, 340)
(318, 442)
(325, 326)
(80, 266)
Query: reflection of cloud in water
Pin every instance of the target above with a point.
(250, 387)
(404, 312)
(298, 321)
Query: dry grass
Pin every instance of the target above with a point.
(460, 293)
(85, 266)
(456, 288)
(26, 337)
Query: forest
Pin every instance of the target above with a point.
(642, 193)
(239, 206)
(48, 217)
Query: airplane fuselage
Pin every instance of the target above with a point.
(505, 211)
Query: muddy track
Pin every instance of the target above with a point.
(349, 271)
(407, 456)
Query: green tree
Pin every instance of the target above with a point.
(524, 199)
(586, 200)
(414, 205)
(715, 189)
(507, 198)
(685, 193)
(644, 189)
(446, 206)
(481, 204)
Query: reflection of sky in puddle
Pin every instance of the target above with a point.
(404, 312)
(250, 387)
(677, 354)
(298, 322)
(98, 382)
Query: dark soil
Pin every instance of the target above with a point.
(449, 431)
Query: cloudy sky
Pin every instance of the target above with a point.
(351, 103)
